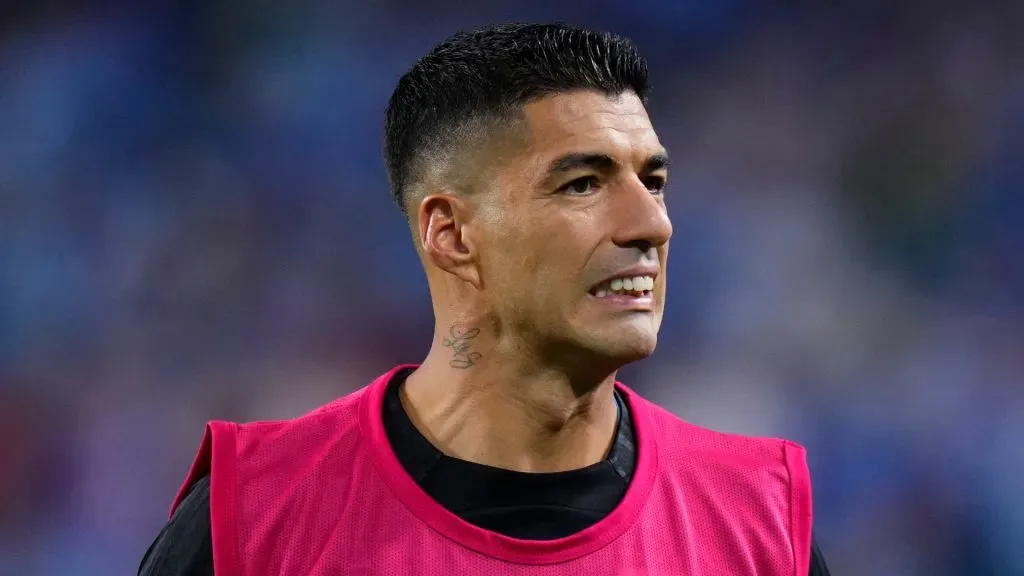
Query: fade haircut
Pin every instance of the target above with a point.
(480, 80)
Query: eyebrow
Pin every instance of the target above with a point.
(602, 162)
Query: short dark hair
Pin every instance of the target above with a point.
(474, 78)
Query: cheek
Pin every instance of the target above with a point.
(531, 260)
(531, 273)
(510, 260)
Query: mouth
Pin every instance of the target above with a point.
(633, 293)
(635, 286)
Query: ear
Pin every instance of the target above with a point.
(444, 236)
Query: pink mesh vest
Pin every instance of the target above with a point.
(325, 495)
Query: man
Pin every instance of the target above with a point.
(534, 185)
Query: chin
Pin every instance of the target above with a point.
(623, 347)
(609, 345)
(633, 352)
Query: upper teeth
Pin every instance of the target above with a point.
(624, 285)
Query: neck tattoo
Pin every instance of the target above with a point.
(459, 340)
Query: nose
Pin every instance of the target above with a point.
(641, 218)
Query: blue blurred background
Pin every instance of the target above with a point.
(195, 224)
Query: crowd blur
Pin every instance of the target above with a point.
(195, 224)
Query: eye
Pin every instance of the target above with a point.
(580, 186)
(656, 184)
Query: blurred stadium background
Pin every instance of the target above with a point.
(195, 224)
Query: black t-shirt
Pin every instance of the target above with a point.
(517, 504)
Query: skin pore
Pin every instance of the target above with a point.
(521, 370)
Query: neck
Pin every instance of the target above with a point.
(503, 411)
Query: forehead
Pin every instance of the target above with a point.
(587, 121)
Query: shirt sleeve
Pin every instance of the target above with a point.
(184, 546)
(818, 566)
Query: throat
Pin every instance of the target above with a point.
(504, 428)
(515, 504)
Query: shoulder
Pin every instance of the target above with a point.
(742, 480)
(698, 440)
(763, 463)
(329, 419)
(264, 444)
(338, 422)
(232, 450)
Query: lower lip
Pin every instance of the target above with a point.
(643, 303)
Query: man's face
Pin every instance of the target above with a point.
(576, 228)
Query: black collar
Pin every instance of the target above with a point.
(462, 486)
